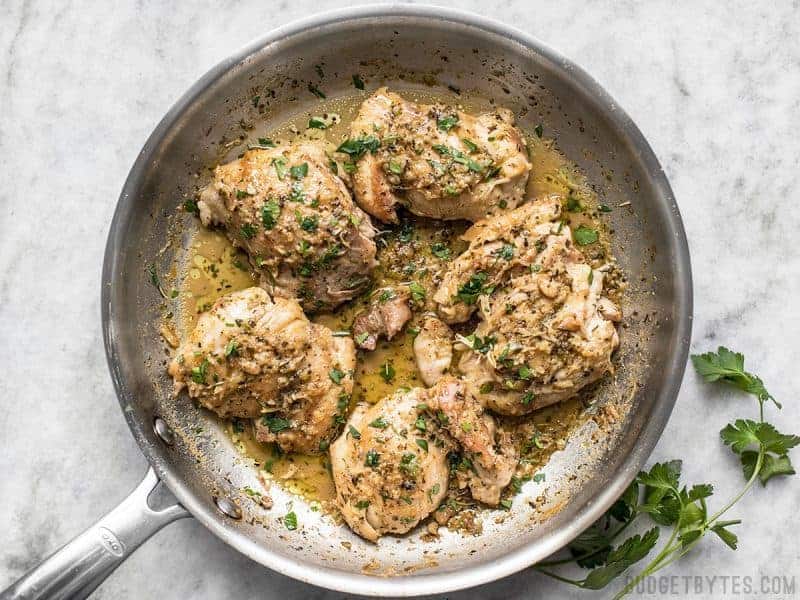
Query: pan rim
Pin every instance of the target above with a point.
(418, 583)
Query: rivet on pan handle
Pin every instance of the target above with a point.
(81, 565)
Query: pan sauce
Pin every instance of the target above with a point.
(216, 268)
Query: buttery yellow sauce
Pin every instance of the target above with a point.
(214, 268)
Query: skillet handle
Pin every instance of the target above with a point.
(81, 565)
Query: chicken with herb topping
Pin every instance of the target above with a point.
(389, 474)
(435, 160)
(297, 222)
(433, 349)
(254, 357)
(390, 464)
(546, 328)
(385, 317)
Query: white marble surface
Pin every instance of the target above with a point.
(713, 86)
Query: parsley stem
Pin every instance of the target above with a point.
(559, 577)
(672, 552)
(748, 485)
(585, 555)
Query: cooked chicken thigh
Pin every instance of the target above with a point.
(390, 465)
(475, 432)
(389, 475)
(546, 330)
(385, 317)
(250, 356)
(434, 159)
(297, 222)
(433, 349)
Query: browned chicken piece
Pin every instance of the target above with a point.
(297, 222)
(388, 474)
(390, 464)
(433, 349)
(477, 271)
(435, 160)
(253, 357)
(385, 317)
(546, 329)
(490, 451)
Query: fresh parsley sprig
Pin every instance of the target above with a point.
(659, 495)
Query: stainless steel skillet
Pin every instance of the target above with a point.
(406, 47)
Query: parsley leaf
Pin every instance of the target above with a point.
(440, 250)
(387, 372)
(474, 287)
(619, 560)
(379, 423)
(584, 236)
(299, 171)
(728, 366)
(417, 292)
(358, 147)
(446, 123)
(275, 424)
(270, 213)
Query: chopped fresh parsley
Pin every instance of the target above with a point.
(408, 464)
(297, 194)
(372, 459)
(270, 212)
(506, 252)
(387, 372)
(336, 375)
(459, 157)
(317, 123)
(422, 443)
(585, 235)
(308, 222)
(280, 167)
(249, 231)
(299, 171)
(190, 206)
(396, 167)
(379, 423)
(440, 250)
(290, 521)
(316, 91)
(538, 130)
(199, 372)
(358, 83)
(471, 146)
(573, 204)
(275, 424)
(446, 123)
(231, 349)
(474, 287)
(417, 292)
(358, 147)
